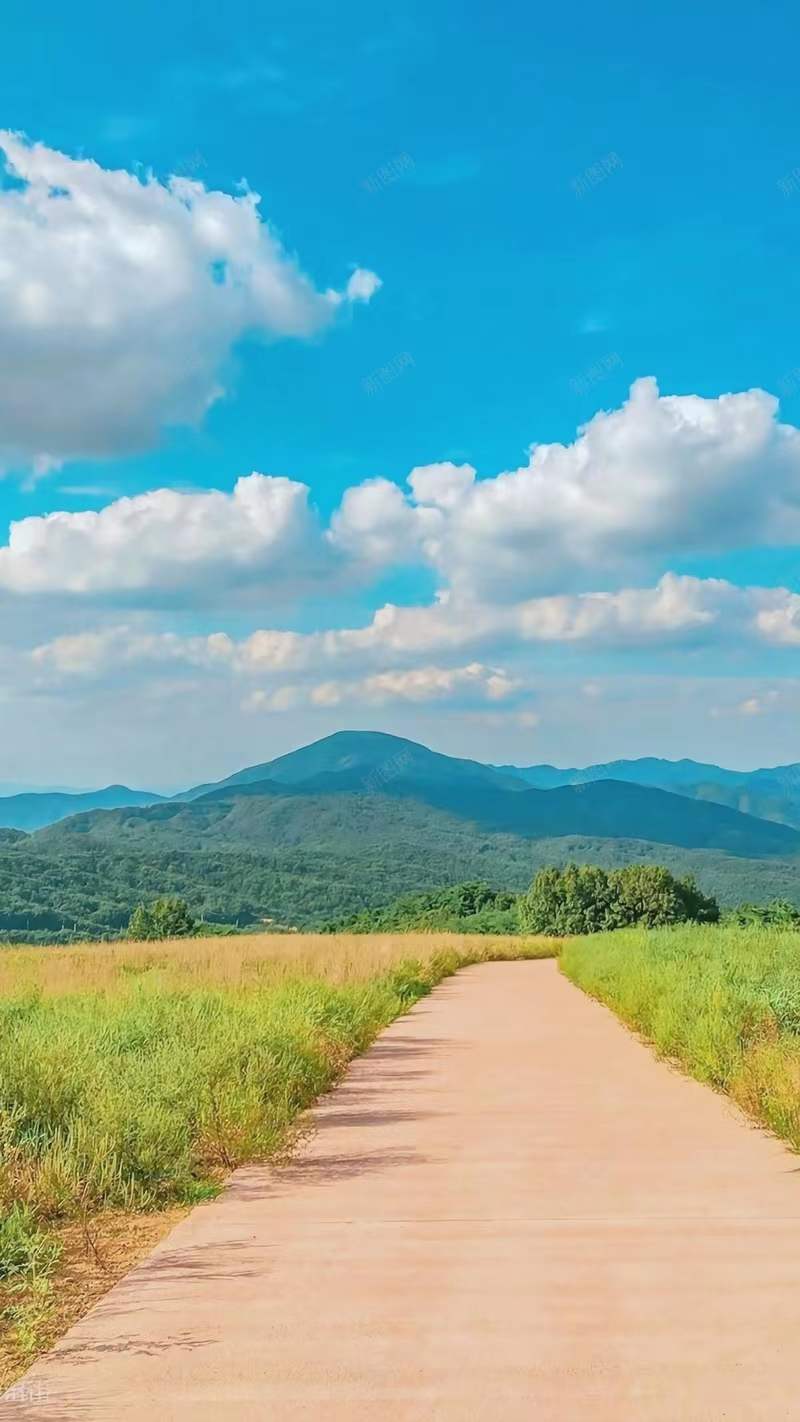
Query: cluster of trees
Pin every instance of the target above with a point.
(171, 917)
(583, 898)
(576, 899)
(63, 889)
(460, 908)
(580, 898)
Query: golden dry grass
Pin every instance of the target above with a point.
(244, 960)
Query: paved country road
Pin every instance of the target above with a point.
(509, 1211)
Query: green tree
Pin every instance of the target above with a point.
(649, 895)
(163, 918)
(699, 907)
(585, 899)
(575, 899)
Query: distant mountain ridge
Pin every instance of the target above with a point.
(768, 793)
(372, 765)
(36, 809)
(372, 762)
(646, 770)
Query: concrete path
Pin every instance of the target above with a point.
(510, 1211)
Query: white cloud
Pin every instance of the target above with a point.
(766, 700)
(675, 608)
(121, 298)
(362, 285)
(285, 698)
(377, 525)
(166, 541)
(515, 558)
(444, 486)
(409, 684)
(96, 653)
(433, 683)
(779, 620)
(659, 475)
(679, 611)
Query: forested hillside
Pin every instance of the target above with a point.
(92, 890)
(356, 821)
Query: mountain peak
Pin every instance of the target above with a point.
(379, 756)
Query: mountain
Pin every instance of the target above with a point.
(651, 770)
(37, 809)
(764, 798)
(22, 787)
(369, 759)
(358, 819)
(359, 769)
(772, 794)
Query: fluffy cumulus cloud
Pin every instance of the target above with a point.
(121, 297)
(554, 569)
(96, 653)
(377, 525)
(167, 541)
(660, 475)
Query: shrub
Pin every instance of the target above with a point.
(25, 1251)
(473, 907)
(164, 918)
(777, 914)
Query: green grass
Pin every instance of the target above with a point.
(140, 1098)
(723, 1002)
(26, 1253)
(133, 1077)
(133, 1102)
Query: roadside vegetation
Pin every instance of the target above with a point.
(460, 908)
(578, 898)
(134, 1076)
(723, 1002)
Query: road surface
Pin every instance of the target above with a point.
(509, 1211)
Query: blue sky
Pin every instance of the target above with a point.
(557, 203)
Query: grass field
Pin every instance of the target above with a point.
(133, 1077)
(723, 1002)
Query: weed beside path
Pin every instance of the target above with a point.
(723, 1002)
(133, 1077)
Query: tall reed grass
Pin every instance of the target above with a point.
(723, 1002)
